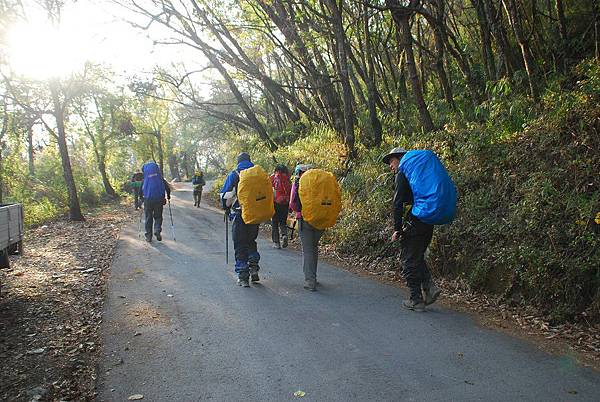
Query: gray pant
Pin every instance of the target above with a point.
(309, 236)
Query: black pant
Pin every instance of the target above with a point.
(278, 221)
(416, 238)
(244, 243)
(197, 196)
(153, 210)
(136, 194)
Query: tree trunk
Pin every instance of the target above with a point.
(74, 207)
(108, 188)
(462, 60)
(174, 168)
(30, 152)
(564, 38)
(376, 128)
(401, 17)
(186, 165)
(514, 17)
(487, 54)
(319, 79)
(161, 155)
(439, 56)
(338, 28)
(422, 70)
(494, 18)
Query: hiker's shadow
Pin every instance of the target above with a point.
(171, 249)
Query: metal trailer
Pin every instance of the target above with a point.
(11, 232)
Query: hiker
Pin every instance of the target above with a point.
(421, 181)
(153, 191)
(244, 235)
(198, 182)
(282, 187)
(316, 200)
(136, 185)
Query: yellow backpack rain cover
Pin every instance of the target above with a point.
(321, 198)
(255, 195)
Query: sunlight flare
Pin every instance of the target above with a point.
(42, 51)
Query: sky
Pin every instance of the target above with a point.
(89, 31)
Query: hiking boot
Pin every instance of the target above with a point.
(254, 272)
(148, 238)
(431, 294)
(284, 242)
(244, 283)
(276, 245)
(310, 285)
(158, 236)
(413, 305)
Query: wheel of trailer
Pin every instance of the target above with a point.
(16, 248)
(4, 262)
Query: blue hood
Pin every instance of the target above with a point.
(244, 165)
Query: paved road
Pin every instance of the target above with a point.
(178, 328)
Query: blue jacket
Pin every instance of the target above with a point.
(232, 180)
(153, 187)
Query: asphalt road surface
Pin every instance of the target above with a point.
(178, 328)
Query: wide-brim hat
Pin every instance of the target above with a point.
(398, 151)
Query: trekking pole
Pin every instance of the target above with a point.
(226, 238)
(140, 223)
(171, 215)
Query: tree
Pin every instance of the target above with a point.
(105, 121)
(402, 15)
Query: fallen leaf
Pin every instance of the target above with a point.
(135, 397)
(169, 295)
(299, 394)
(36, 351)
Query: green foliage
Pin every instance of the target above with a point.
(44, 196)
(528, 194)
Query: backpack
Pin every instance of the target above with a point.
(281, 188)
(434, 193)
(154, 186)
(198, 182)
(321, 198)
(255, 195)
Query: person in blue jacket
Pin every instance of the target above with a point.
(153, 191)
(244, 235)
(422, 182)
